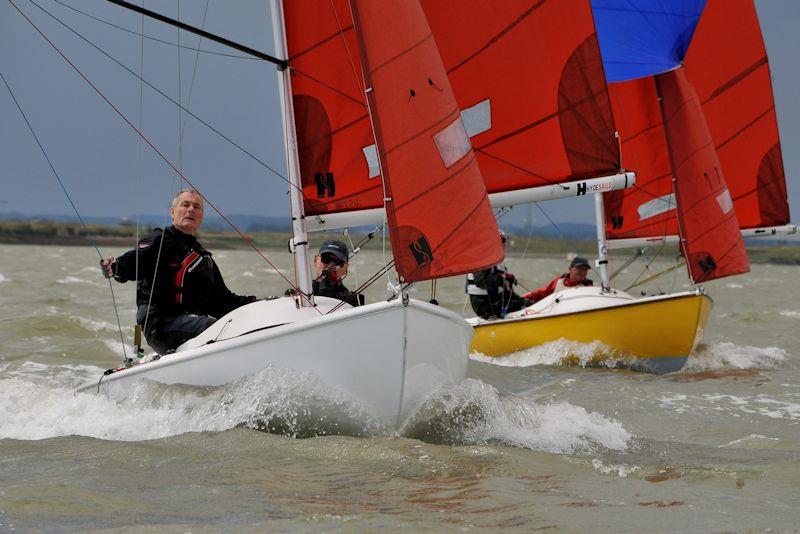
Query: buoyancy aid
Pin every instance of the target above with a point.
(479, 289)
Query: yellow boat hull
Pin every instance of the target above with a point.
(654, 334)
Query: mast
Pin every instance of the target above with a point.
(602, 249)
(299, 244)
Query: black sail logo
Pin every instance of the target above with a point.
(422, 252)
(326, 185)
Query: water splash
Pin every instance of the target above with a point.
(728, 355)
(476, 413)
(38, 402)
(559, 352)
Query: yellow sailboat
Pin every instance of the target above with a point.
(698, 126)
(654, 334)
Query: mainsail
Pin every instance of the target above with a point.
(440, 220)
(724, 61)
(531, 93)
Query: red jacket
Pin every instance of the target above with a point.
(538, 294)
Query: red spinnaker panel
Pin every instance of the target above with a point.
(529, 78)
(711, 240)
(440, 220)
(727, 65)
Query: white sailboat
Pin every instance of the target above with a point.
(697, 122)
(402, 350)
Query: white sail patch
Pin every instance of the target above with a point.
(478, 118)
(453, 143)
(725, 201)
(654, 207)
(371, 155)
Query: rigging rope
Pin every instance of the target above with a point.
(74, 207)
(143, 36)
(156, 89)
(150, 144)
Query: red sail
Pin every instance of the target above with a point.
(531, 88)
(528, 77)
(727, 65)
(710, 237)
(440, 220)
(333, 128)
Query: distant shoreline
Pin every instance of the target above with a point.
(73, 234)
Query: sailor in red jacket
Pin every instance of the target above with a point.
(578, 269)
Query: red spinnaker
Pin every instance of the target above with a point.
(727, 65)
(440, 220)
(710, 237)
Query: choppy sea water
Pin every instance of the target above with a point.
(523, 443)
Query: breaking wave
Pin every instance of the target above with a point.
(560, 352)
(725, 355)
(38, 401)
(476, 413)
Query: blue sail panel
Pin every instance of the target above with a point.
(640, 38)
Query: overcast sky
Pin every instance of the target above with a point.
(98, 155)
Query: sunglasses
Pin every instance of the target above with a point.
(330, 258)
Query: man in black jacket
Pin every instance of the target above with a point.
(491, 291)
(331, 265)
(180, 291)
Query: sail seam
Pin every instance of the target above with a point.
(505, 31)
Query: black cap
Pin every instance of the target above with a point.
(579, 261)
(337, 248)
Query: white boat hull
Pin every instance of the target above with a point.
(387, 356)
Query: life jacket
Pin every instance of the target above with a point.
(472, 288)
(562, 285)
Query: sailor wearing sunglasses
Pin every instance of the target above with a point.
(331, 266)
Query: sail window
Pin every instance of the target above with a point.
(371, 155)
(478, 118)
(725, 201)
(453, 143)
(656, 206)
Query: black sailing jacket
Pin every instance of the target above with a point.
(185, 279)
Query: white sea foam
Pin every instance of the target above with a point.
(75, 280)
(32, 407)
(791, 313)
(752, 438)
(734, 286)
(726, 355)
(94, 326)
(734, 404)
(248, 274)
(476, 413)
(552, 353)
(620, 470)
(3, 278)
(115, 346)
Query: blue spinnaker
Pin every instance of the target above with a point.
(640, 38)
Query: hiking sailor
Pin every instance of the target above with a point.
(331, 263)
(491, 291)
(180, 291)
(578, 269)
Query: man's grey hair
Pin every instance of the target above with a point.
(187, 190)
